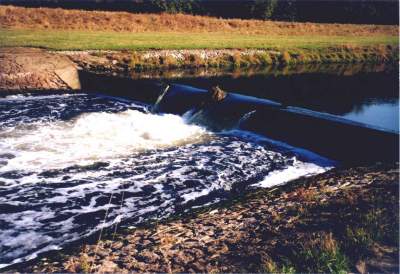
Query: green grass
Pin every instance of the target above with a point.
(85, 40)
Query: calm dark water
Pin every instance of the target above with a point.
(364, 93)
(367, 96)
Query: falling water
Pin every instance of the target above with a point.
(63, 155)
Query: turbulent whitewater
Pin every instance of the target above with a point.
(67, 159)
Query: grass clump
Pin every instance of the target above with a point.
(378, 225)
(358, 239)
(285, 58)
(168, 61)
(136, 61)
(236, 60)
(271, 267)
(193, 60)
(321, 255)
(80, 264)
(265, 59)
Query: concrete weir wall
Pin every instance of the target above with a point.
(328, 135)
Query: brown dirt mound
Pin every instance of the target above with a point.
(47, 18)
(25, 69)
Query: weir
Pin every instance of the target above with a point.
(76, 155)
(331, 136)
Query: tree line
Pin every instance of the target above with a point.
(339, 11)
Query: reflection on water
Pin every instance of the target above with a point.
(359, 93)
(340, 89)
(336, 69)
(383, 114)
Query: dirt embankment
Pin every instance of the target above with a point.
(134, 62)
(47, 18)
(24, 69)
(33, 69)
(344, 220)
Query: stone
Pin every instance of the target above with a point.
(108, 267)
(217, 94)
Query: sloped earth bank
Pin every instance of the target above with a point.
(24, 69)
(28, 68)
(131, 62)
(342, 220)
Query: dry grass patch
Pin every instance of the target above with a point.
(62, 19)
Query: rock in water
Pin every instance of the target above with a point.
(217, 94)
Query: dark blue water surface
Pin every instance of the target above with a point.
(366, 95)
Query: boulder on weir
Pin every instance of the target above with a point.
(216, 94)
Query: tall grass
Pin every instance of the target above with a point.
(46, 18)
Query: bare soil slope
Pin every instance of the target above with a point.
(27, 68)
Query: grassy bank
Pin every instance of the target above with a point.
(280, 42)
(86, 40)
(166, 60)
(241, 50)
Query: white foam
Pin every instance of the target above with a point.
(303, 154)
(62, 206)
(297, 170)
(194, 195)
(93, 137)
(28, 96)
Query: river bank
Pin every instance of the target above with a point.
(26, 69)
(127, 43)
(343, 220)
(225, 59)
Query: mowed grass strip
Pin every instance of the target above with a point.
(98, 40)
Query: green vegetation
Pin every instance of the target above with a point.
(83, 40)
(322, 254)
(349, 231)
(275, 49)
